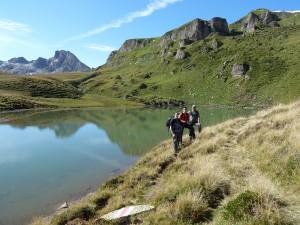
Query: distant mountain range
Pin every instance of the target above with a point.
(62, 61)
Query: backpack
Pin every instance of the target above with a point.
(168, 122)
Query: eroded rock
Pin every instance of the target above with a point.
(250, 24)
(239, 70)
(195, 30)
(132, 44)
(216, 44)
(181, 54)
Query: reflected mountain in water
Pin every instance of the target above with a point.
(134, 130)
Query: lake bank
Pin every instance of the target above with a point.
(52, 145)
(228, 163)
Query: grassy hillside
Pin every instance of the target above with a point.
(152, 75)
(205, 76)
(47, 91)
(244, 171)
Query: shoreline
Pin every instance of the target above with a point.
(83, 197)
(150, 180)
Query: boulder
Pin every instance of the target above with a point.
(239, 70)
(250, 24)
(181, 54)
(63, 206)
(216, 44)
(219, 25)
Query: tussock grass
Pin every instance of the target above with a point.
(244, 171)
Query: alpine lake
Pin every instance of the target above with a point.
(50, 157)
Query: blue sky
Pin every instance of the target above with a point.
(92, 28)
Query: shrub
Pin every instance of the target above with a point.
(242, 207)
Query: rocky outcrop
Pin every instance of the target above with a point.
(268, 17)
(219, 25)
(63, 61)
(216, 44)
(164, 52)
(196, 30)
(254, 21)
(239, 70)
(132, 44)
(40, 63)
(157, 102)
(184, 42)
(181, 54)
(250, 24)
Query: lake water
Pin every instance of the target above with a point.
(49, 157)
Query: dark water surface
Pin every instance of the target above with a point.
(49, 157)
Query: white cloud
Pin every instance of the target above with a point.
(101, 48)
(10, 25)
(150, 9)
(295, 11)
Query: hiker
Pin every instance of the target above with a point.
(195, 118)
(184, 118)
(176, 131)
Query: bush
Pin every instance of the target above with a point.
(242, 207)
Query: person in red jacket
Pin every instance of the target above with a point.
(184, 118)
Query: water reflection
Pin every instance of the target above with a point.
(47, 157)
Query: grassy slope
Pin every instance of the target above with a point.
(272, 54)
(48, 91)
(244, 171)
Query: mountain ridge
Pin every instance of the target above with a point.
(249, 63)
(62, 61)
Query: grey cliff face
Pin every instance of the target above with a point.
(196, 30)
(219, 25)
(268, 17)
(250, 24)
(253, 21)
(132, 44)
(63, 61)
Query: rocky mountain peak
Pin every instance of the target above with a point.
(20, 60)
(62, 54)
(62, 61)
